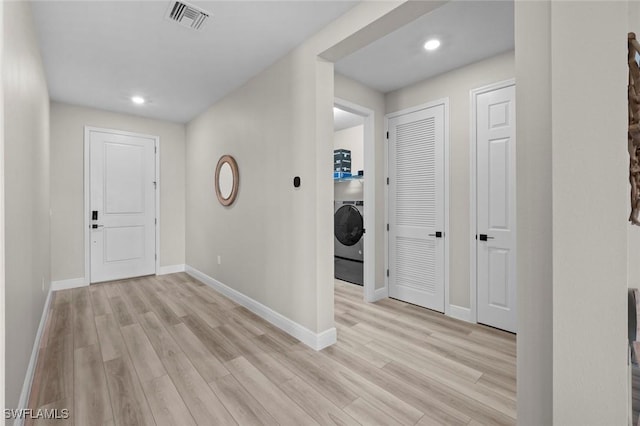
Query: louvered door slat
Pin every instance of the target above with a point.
(415, 264)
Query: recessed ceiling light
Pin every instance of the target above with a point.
(432, 44)
(137, 100)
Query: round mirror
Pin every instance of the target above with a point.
(226, 180)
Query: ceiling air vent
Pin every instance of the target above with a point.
(187, 15)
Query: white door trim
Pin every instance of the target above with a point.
(447, 234)
(369, 199)
(473, 283)
(87, 194)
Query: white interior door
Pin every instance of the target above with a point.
(417, 207)
(496, 208)
(122, 206)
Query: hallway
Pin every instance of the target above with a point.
(169, 350)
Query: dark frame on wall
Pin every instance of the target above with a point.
(227, 159)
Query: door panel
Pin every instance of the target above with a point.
(416, 207)
(498, 184)
(124, 243)
(495, 149)
(499, 273)
(122, 192)
(124, 178)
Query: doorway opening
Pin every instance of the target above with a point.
(354, 199)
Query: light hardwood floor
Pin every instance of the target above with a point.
(170, 351)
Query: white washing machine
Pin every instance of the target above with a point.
(348, 230)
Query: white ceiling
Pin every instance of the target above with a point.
(344, 119)
(100, 53)
(469, 31)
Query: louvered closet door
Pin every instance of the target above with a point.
(416, 208)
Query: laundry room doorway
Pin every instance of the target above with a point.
(354, 198)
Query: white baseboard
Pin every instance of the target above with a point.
(315, 341)
(324, 339)
(31, 368)
(380, 293)
(67, 284)
(171, 269)
(458, 312)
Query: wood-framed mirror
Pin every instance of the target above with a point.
(227, 180)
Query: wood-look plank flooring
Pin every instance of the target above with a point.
(169, 350)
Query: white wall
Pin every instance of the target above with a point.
(2, 236)
(633, 250)
(26, 191)
(534, 213)
(276, 240)
(572, 210)
(67, 193)
(590, 200)
(633, 254)
(456, 85)
(266, 238)
(348, 190)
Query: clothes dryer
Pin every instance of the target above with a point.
(348, 223)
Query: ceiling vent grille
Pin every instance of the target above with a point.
(187, 15)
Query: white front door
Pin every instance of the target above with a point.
(496, 208)
(122, 205)
(417, 207)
